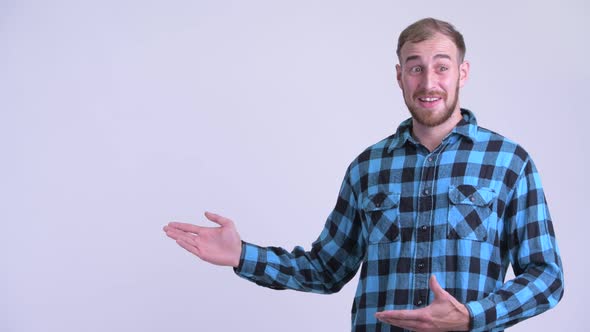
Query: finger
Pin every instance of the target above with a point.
(180, 235)
(416, 314)
(186, 227)
(189, 247)
(408, 319)
(405, 324)
(220, 220)
(190, 239)
(174, 233)
(435, 287)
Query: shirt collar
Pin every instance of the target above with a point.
(467, 127)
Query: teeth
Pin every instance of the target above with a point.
(429, 99)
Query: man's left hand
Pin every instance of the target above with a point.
(445, 313)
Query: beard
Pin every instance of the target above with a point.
(428, 118)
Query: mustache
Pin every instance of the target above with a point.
(425, 93)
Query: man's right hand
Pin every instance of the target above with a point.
(217, 245)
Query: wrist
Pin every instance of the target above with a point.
(466, 324)
(237, 260)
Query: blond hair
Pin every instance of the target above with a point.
(425, 29)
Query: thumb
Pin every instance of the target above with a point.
(220, 220)
(435, 287)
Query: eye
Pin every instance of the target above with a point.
(416, 69)
(444, 68)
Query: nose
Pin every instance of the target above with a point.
(429, 79)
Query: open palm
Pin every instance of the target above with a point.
(217, 245)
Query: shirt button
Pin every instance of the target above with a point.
(419, 302)
(471, 198)
(430, 159)
(424, 227)
(426, 192)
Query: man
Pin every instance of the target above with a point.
(434, 213)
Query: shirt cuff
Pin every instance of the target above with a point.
(252, 261)
(482, 314)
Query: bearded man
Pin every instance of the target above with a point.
(433, 215)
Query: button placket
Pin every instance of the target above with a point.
(427, 193)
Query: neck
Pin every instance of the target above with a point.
(431, 137)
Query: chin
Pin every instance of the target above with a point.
(431, 118)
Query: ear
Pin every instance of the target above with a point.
(463, 73)
(398, 71)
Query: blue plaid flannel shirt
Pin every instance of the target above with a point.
(462, 212)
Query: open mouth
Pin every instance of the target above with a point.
(429, 101)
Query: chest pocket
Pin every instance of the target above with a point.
(470, 208)
(382, 214)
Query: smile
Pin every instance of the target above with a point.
(429, 99)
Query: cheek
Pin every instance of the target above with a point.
(450, 84)
(408, 85)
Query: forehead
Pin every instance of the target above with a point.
(437, 45)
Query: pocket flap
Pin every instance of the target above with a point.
(471, 195)
(382, 201)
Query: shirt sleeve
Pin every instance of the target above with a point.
(534, 255)
(332, 261)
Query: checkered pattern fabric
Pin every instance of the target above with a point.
(462, 212)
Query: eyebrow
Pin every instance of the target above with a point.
(438, 56)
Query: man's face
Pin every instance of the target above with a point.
(430, 76)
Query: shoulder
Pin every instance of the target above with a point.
(374, 151)
(490, 141)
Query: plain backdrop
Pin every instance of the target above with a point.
(117, 117)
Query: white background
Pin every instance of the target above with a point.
(117, 117)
